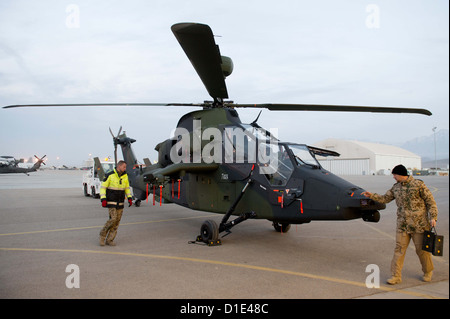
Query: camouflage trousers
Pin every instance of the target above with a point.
(402, 242)
(109, 231)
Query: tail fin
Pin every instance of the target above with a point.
(147, 162)
(128, 155)
(99, 169)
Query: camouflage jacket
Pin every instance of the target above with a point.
(414, 202)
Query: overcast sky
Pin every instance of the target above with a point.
(352, 52)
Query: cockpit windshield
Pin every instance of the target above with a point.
(274, 163)
(303, 156)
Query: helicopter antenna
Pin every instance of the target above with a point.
(256, 120)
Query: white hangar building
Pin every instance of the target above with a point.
(362, 158)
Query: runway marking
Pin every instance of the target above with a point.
(379, 231)
(224, 263)
(90, 227)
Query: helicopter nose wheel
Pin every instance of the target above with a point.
(209, 233)
(281, 227)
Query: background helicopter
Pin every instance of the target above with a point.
(294, 191)
(8, 164)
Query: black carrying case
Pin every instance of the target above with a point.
(432, 242)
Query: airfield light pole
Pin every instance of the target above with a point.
(435, 158)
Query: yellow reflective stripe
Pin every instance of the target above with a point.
(114, 203)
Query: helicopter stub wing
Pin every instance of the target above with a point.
(160, 173)
(197, 41)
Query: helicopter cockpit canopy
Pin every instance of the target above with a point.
(276, 164)
(303, 156)
(276, 160)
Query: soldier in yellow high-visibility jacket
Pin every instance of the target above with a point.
(113, 191)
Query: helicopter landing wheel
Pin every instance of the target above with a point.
(209, 233)
(281, 227)
(93, 194)
(85, 191)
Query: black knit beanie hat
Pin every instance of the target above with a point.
(400, 170)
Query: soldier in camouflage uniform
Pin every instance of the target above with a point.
(416, 212)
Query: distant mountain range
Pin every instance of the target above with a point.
(424, 147)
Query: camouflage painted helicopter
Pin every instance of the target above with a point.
(8, 164)
(216, 163)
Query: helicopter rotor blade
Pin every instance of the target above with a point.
(197, 41)
(105, 105)
(333, 108)
(270, 106)
(115, 154)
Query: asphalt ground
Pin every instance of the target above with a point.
(49, 242)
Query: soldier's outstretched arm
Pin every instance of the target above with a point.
(386, 198)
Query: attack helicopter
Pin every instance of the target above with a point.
(8, 164)
(218, 164)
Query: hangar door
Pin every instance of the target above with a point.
(346, 166)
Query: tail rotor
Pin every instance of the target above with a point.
(115, 140)
(40, 160)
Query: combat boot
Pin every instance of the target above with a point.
(110, 243)
(102, 241)
(394, 280)
(427, 276)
